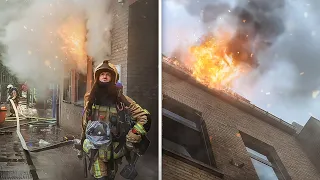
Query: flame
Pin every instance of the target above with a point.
(212, 66)
(73, 34)
(187, 70)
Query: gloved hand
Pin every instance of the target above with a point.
(133, 138)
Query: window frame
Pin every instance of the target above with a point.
(66, 96)
(79, 101)
(266, 162)
(199, 127)
(267, 150)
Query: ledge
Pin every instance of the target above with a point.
(235, 101)
(64, 101)
(75, 104)
(193, 162)
(78, 104)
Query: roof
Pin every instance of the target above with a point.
(230, 97)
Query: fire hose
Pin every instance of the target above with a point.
(24, 145)
(66, 141)
(19, 110)
(17, 118)
(23, 142)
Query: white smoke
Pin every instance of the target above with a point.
(34, 36)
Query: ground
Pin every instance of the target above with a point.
(56, 164)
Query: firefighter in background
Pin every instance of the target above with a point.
(101, 131)
(14, 95)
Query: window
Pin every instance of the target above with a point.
(81, 84)
(119, 71)
(262, 165)
(184, 132)
(264, 159)
(67, 87)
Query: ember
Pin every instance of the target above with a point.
(73, 35)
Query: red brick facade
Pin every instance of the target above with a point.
(224, 121)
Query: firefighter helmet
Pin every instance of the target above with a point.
(98, 133)
(9, 86)
(106, 66)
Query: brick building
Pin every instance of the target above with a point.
(209, 134)
(134, 44)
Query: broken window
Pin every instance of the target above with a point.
(264, 159)
(184, 132)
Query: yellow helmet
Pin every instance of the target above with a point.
(106, 66)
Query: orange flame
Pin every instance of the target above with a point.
(212, 66)
(73, 35)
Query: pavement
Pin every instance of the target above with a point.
(55, 164)
(13, 163)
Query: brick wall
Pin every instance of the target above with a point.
(143, 61)
(223, 122)
(175, 169)
(119, 38)
(309, 138)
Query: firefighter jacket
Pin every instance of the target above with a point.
(137, 113)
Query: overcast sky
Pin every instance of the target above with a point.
(287, 82)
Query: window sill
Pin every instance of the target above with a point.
(78, 104)
(193, 162)
(68, 102)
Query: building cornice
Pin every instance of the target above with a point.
(235, 101)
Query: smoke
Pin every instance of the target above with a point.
(42, 39)
(283, 37)
(253, 24)
(99, 25)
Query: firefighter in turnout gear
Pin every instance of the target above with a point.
(12, 94)
(105, 136)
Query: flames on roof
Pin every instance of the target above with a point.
(174, 62)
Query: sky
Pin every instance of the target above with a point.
(287, 82)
